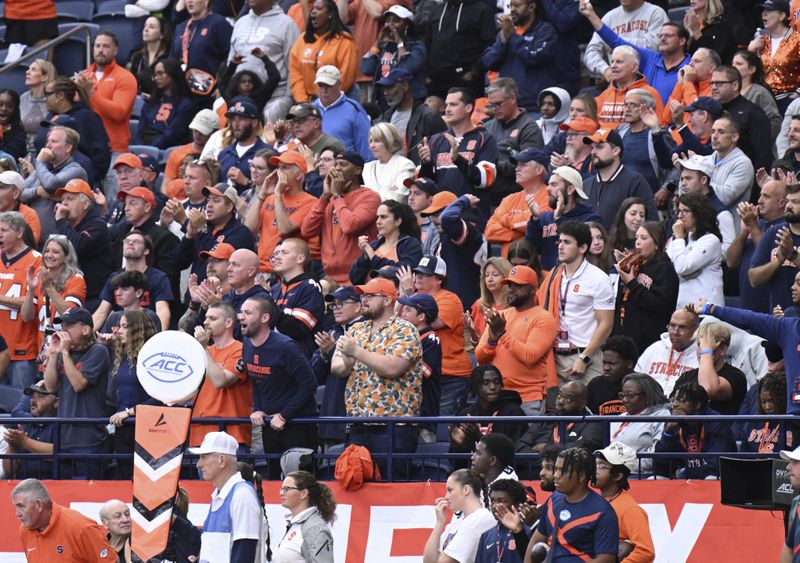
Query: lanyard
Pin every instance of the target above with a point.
(671, 366)
(693, 448)
(556, 437)
(562, 296)
(186, 39)
(621, 427)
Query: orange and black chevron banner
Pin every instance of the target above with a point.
(160, 436)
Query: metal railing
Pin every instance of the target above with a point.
(32, 55)
(391, 457)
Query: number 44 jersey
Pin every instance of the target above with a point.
(20, 336)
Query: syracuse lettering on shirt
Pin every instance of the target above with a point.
(20, 336)
(256, 371)
(444, 160)
(631, 26)
(664, 368)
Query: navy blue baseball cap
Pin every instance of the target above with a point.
(531, 154)
(425, 184)
(243, 106)
(148, 162)
(395, 75)
(60, 119)
(76, 315)
(775, 6)
(344, 293)
(389, 272)
(705, 103)
(352, 157)
(423, 303)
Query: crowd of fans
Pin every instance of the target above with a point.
(458, 209)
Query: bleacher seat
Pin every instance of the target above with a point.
(2, 34)
(677, 14)
(75, 10)
(149, 150)
(64, 27)
(138, 102)
(165, 155)
(110, 6)
(9, 397)
(125, 30)
(14, 78)
(134, 125)
(325, 467)
(70, 56)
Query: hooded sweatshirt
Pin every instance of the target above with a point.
(610, 103)
(666, 365)
(549, 126)
(641, 436)
(458, 36)
(507, 404)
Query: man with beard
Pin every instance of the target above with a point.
(568, 200)
(33, 437)
(775, 261)
(576, 153)
(519, 340)
(676, 352)
(235, 159)
(791, 159)
(414, 119)
(283, 383)
(381, 357)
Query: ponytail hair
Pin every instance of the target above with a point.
(475, 481)
(319, 494)
(250, 475)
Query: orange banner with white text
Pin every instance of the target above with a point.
(387, 522)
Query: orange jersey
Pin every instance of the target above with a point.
(634, 528)
(20, 336)
(510, 220)
(70, 536)
(685, 93)
(32, 219)
(454, 357)
(297, 207)
(611, 101)
(234, 401)
(74, 294)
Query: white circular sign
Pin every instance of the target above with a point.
(170, 366)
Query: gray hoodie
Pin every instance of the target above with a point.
(549, 126)
(275, 33)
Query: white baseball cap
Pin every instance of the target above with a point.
(328, 75)
(702, 164)
(400, 11)
(206, 122)
(793, 455)
(216, 443)
(11, 178)
(572, 176)
(617, 453)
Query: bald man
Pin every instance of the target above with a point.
(116, 517)
(571, 401)
(676, 352)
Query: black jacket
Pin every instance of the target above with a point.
(586, 434)
(92, 244)
(650, 302)
(187, 253)
(424, 122)
(164, 245)
(507, 404)
(756, 138)
(458, 36)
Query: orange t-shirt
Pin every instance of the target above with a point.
(794, 14)
(74, 294)
(174, 160)
(455, 361)
(32, 219)
(297, 206)
(30, 10)
(234, 401)
(634, 527)
(510, 220)
(70, 536)
(20, 336)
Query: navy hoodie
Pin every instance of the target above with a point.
(542, 233)
(458, 36)
(92, 244)
(94, 141)
(408, 250)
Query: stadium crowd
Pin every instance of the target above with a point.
(374, 209)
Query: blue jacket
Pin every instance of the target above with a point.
(346, 120)
(94, 141)
(501, 545)
(563, 15)
(228, 158)
(409, 253)
(542, 233)
(209, 42)
(651, 64)
(665, 148)
(460, 243)
(168, 118)
(528, 59)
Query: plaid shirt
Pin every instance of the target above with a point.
(370, 394)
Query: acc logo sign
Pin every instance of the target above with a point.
(171, 366)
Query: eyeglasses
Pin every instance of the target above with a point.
(494, 105)
(718, 83)
(683, 211)
(667, 35)
(287, 489)
(341, 304)
(629, 396)
(257, 168)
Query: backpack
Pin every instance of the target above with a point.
(355, 466)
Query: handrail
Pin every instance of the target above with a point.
(52, 43)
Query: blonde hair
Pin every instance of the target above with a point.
(716, 331)
(714, 9)
(501, 265)
(387, 134)
(46, 68)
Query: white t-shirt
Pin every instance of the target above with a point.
(461, 536)
(588, 290)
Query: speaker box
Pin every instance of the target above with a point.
(757, 484)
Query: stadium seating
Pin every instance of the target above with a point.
(134, 125)
(70, 56)
(9, 397)
(676, 14)
(125, 30)
(75, 10)
(110, 6)
(149, 150)
(14, 78)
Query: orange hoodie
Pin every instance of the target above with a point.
(685, 93)
(306, 58)
(112, 99)
(610, 103)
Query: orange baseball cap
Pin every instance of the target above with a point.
(143, 193)
(129, 159)
(76, 186)
(221, 251)
(582, 124)
(377, 286)
(439, 202)
(522, 275)
(290, 157)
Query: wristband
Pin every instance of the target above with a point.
(705, 351)
(706, 308)
(492, 343)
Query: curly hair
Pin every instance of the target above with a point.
(476, 378)
(140, 330)
(514, 488)
(319, 494)
(705, 216)
(775, 384)
(579, 461)
(504, 267)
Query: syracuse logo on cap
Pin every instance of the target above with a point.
(513, 271)
(167, 367)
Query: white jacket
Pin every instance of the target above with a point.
(641, 436)
(698, 264)
(664, 364)
(387, 179)
(640, 27)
